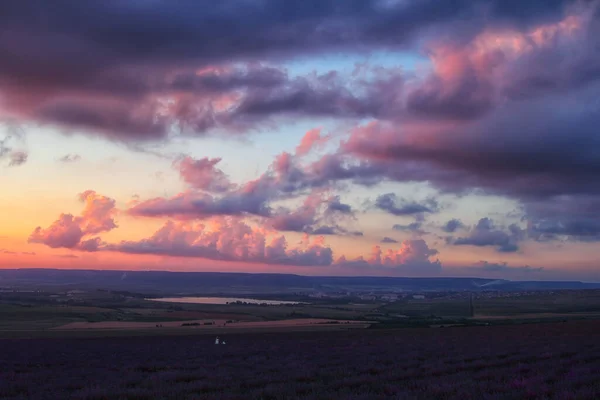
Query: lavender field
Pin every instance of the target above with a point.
(541, 361)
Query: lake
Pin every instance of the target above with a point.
(221, 300)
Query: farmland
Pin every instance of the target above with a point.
(545, 361)
(80, 342)
(51, 311)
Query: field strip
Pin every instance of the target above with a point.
(221, 324)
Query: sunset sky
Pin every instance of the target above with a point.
(319, 137)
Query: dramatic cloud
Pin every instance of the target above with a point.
(229, 97)
(230, 239)
(226, 238)
(220, 238)
(485, 233)
(497, 151)
(284, 180)
(82, 74)
(68, 231)
(501, 100)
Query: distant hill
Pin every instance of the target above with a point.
(214, 282)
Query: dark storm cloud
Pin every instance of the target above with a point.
(128, 32)
(107, 66)
(474, 158)
(519, 122)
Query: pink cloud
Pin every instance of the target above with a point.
(98, 214)
(310, 140)
(68, 231)
(219, 238)
(64, 232)
(225, 238)
(412, 257)
(203, 174)
(231, 239)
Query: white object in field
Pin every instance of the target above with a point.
(217, 340)
(223, 342)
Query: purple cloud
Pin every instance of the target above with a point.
(412, 257)
(69, 231)
(485, 234)
(394, 205)
(203, 174)
(232, 240)
(88, 76)
(452, 225)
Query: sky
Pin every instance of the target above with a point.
(315, 137)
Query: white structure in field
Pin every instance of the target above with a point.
(217, 340)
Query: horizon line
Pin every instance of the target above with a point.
(290, 274)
